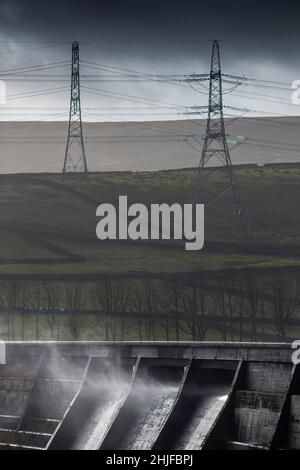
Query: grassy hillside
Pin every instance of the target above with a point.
(48, 222)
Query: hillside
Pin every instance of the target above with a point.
(144, 146)
(48, 223)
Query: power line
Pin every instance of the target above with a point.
(32, 94)
(31, 68)
(129, 97)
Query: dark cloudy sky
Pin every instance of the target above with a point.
(257, 38)
(152, 20)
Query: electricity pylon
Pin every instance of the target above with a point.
(215, 142)
(75, 158)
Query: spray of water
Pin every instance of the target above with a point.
(212, 409)
(117, 403)
(153, 402)
(106, 388)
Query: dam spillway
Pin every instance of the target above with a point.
(143, 396)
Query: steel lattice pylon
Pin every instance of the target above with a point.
(215, 143)
(75, 158)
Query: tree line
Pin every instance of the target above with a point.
(228, 308)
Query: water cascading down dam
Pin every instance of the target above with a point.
(142, 396)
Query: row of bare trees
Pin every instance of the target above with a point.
(228, 307)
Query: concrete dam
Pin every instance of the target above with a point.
(143, 396)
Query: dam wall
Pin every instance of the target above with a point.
(152, 395)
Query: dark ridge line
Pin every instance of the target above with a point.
(276, 251)
(140, 275)
(64, 188)
(205, 319)
(27, 234)
(239, 166)
(38, 261)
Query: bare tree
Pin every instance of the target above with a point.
(121, 304)
(4, 315)
(36, 303)
(220, 301)
(23, 295)
(252, 294)
(150, 308)
(52, 297)
(11, 294)
(113, 299)
(241, 308)
(196, 303)
(75, 302)
(171, 302)
(284, 290)
(137, 307)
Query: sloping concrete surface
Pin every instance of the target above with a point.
(98, 395)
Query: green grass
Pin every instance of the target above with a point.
(60, 209)
(15, 246)
(121, 261)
